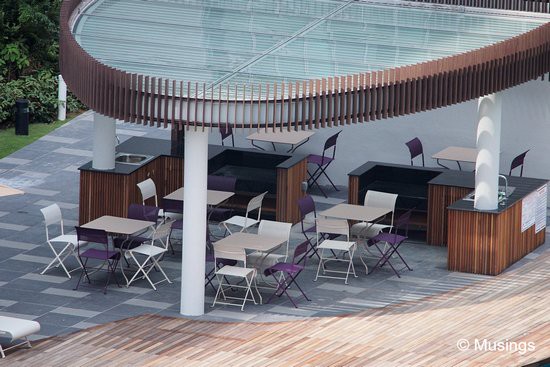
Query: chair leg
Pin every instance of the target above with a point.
(321, 258)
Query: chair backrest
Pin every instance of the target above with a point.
(518, 161)
(143, 212)
(255, 203)
(332, 226)
(415, 148)
(52, 215)
(306, 205)
(148, 190)
(227, 131)
(172, 206)
(379, 199)
(276, 229)
(234, 254)
(162, 234)
(330, 143)
(222, 183)
(92, 236)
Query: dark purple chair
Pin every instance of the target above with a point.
(517, 162)
(289, 272)
(322, 162)
(306, 205)
(139, 212)
(227, 131)
(393, 241)
(173, 206)
(221, 183)
(111, 258)
(415, 148)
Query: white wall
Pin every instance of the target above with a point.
(525, 125)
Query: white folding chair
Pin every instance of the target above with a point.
(246, 222)
(151, 254)
(378, 199)
(271, 228)
(148, 190)
(52, 216)
(230, 271)
(334, 226)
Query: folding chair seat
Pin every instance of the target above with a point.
(103, 254)
(392, 243)
(229, 272)
(14, 329)
(289, 272)
(271, 228)
(322, 162)
(52, 216)
(415, 149)
(246, 222)
(151, 255)
(366, 230)
(347, 247)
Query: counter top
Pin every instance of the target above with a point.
(163, 147)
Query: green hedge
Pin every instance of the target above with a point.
(41, 90)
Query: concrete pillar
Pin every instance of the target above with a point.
(62, 99)
(194, 222)
(104, 142)
(488, 145)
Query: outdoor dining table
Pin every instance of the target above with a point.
(119, 225)
(293, 138)
(457, 154)
(249, 242)
(361, 213)
(213, 197)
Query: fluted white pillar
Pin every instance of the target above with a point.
(61, 99)
(488, 145)
(104, 142)
(194, 222)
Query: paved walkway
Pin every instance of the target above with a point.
(47, 172)
(507, 315)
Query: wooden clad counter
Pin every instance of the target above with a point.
(487, 242)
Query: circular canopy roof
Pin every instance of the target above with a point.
(258, 42)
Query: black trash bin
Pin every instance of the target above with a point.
(22, 117)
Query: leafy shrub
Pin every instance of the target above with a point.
(41, 91)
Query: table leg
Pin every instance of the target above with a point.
(459, 168)
(293, 148)
(440, 164)
(256, 146)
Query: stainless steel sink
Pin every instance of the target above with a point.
(502, 195)
(131, 158)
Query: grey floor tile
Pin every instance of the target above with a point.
(6, 302)
(59, 139)
(45, 278)
(62, 320)
(17, 245)
(32, 258)
(41, 192)
(77, 152)
(15, 161)
(28, 308)
(146, 303)
(75, 312)
(65, 292)
(13, 227)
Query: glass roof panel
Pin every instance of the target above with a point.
(272, 41)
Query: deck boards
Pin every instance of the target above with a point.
(511, 306)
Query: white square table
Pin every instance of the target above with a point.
(119, 225)
(359, 213)
(213, 197)
(457, 154)
(293, 138)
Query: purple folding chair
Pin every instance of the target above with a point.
(221, 183)
(392, 241)
(415, 148)
(103, 254)
(226, 131)
(517, 162)
(306, 205)
(322, 162)
(288, 273)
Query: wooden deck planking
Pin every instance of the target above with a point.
(511, 306)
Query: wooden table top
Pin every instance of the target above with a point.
(283, 137)
(213, 197)
(248, 241)
(119, 225)
(461, 154)
(355, 212)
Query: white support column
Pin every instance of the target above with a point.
(194, 222)
(104, 142)
(61, 99)
(488, 145)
